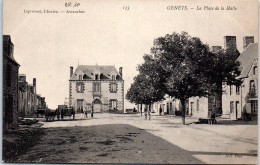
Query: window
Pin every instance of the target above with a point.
(198, 105)
(113, 88)
(254, 107)
(79, 104)
(80, 87)
(252, 86)
(96, 76)
(237, 90)
(96, 87)
(84, 77)
(231, 89)
(113, 104)
(255, 70)
(231, 106)
(80, 77)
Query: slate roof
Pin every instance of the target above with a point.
(7, 39)
(247, 58)
(89, 70)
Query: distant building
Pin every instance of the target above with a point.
(29, 100)
(100, 87)
(239, 100)
(10, 85)
(32, 98)
(168, 106)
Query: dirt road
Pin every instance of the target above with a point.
(110, 138)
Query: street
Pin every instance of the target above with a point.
(129, 138)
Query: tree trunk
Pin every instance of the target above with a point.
(219, 98)
(141, 109)
(183, 111)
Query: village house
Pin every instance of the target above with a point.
(10, 85)
(169, 105)
(243, 100)
(97, 87)
(232, 96)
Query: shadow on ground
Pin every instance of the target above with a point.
(119, 143)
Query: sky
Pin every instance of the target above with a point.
(47, 44)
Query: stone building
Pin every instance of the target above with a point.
(238, 100)
(10, 85)
(169, 106)
(204, 106)
(23, 96)
(32, 98)
(29, 100)
(97, 87)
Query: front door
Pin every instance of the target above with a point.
(97, 105)
(191, 108)
(232, 110)
(237, 105)
(168, 108)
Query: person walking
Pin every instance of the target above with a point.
(145, 113)
(213, 118)
(91, 111)
(86, 113)
(82, 113)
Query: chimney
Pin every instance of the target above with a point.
(71, 71)
(247, 40)
(34, 82)
(120, 71)
(216, 48)
(230, 42)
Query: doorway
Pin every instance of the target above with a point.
(237, 105)
(97, 105)
(191, 108)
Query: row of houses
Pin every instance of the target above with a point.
(19, 98)
(237, 101)
(29, 100)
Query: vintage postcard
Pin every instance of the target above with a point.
(130, 81)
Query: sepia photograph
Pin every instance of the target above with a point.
(130, 82)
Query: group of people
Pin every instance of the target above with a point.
(84, 113)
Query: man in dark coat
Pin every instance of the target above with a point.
(91, 111)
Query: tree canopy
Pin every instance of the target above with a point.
(182, 67)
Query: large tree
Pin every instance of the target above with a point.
(189, 65)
